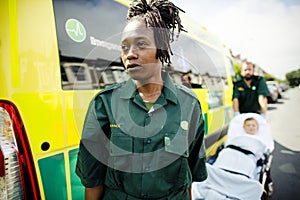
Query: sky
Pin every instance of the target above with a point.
(265, 32)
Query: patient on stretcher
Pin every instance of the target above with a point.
(235, 173)
(242, 152)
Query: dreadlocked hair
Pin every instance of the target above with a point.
(163, 16)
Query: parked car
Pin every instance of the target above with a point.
(276, 85)
(273, 93)
(284, 87)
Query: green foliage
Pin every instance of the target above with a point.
(237, 69)
(270, 77)
(293, 78)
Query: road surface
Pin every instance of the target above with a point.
(284, 119)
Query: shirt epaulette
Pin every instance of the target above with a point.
(257, 77)
(187, 91)
(111, 87)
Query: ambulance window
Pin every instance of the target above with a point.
(206, 63)
(64, 76)
(88, 33)
(108, 76)
(79, 72)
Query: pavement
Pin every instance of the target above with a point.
(285, 126)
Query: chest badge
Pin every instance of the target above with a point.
(184, 125)
(253, 88)
(241, 89)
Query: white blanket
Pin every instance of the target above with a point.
(222, 185)
(237, 161)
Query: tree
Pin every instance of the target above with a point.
(237, 69)
(293, 78)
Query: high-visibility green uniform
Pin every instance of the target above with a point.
(248, 96)
(141, 153)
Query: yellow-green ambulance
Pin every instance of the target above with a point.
(55, 55)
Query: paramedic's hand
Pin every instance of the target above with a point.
(263, 115)
(236, 113)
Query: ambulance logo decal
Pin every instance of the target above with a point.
(75, 30)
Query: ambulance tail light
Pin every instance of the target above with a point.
(18, 178)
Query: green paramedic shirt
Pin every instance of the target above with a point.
(140, 153)
(248, 96)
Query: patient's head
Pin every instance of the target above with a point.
(250, 126)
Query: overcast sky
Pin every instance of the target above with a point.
(265, 32)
